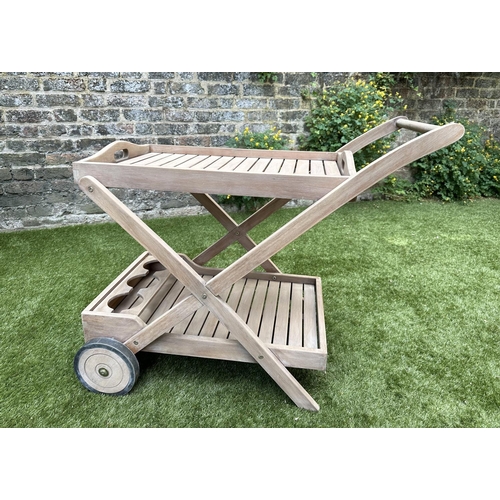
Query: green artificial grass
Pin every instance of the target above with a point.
(412, 311)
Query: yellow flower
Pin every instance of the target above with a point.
(236, 139)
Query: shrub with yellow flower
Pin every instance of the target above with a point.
(270, 139)
(343, 112)
(467, 169)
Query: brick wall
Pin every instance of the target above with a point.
(49, 120)
(476, 96)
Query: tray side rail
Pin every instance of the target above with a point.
(122, 150)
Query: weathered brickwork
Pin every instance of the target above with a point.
(49, 120)
(475, 96)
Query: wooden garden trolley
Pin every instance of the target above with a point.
(167, 303)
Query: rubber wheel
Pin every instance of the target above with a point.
(106, 366)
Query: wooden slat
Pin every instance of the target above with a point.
(196, 160)
(310, 320)
(269, 315)
(183, 295)
(260, 165)
(234, 299)
(282, 315)
(274, 166)
(159, 159)
(331, 168)
(167, 303)
(174, 162)
(296, 316)
(320, 316)
(302, 167)
(255, 316)
(154, 299)
(230, 165)
(288, 166)
(209, 160)
(144, 159)
(212, 322)
(221, 162)
(246, 300)
(317, 167)
(183, 325)
(245, 165)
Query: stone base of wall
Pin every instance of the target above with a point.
(153, 205)
(73, 207)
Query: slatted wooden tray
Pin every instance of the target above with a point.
(285, 311)
(274, 174)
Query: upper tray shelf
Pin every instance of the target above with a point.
(262, 173)
(276, 174)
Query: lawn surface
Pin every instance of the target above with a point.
(412, 311)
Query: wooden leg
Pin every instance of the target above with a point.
(261, 353)
(236, 232)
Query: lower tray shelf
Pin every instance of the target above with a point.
(285, 311)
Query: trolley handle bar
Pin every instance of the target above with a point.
(420, 127)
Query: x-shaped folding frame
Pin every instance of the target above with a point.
(236, 232)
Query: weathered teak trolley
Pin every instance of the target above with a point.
(167, 303)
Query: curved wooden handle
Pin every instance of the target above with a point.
(372, 135)
(337, 197)
(118, 150)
